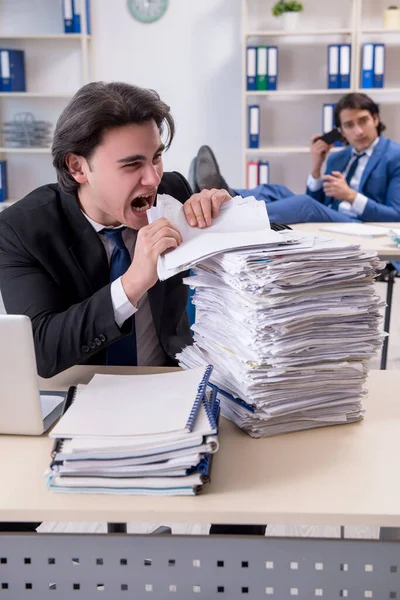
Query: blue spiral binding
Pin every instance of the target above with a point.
(201, 390)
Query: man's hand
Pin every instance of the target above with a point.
(335, 185)
(319, 150)
(152, 240)
(200, 209)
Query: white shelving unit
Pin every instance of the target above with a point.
(293, 113)
(56, 66)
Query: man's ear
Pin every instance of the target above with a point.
(77, 166)
(376, 120)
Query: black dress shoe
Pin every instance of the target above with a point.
(206, 172)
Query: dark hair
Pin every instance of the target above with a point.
(96, 108)
(359, 102)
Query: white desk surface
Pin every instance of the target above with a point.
(341, 475)
(387, 250)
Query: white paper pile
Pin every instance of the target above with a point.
(140, 435)
(289, 331)
(242, 222)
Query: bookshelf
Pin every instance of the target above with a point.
(290, 115)
(57, 64)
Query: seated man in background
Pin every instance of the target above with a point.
(361, 183)
(79, 257)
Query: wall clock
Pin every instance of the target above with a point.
(148, 11)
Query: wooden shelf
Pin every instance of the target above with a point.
(8, 150)
(387, 90)
(285, 150)
(379, 30)
(339, 91)
(35, 95)
(49, 36)
(298, 32)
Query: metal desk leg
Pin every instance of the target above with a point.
(116, 528)
(386, 327)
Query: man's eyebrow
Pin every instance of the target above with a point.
(138, 157)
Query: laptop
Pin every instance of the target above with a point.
(24, 409)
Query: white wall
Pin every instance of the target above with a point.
(192, 57)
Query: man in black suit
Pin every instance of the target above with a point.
(57, 245)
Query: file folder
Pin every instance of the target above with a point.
(252, 174)
(3, 181)
(68, 15)
(272, 68)
(251, 68)
(367, 66)
(333, 66)
(379, 65)
(345, 65)
(254, 126)
(262, 68)
(12, 66)
(77, 19)
(263, 172)
(328, 111)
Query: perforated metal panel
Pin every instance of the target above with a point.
(183, 567)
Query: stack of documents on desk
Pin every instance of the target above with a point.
(242, 222)
(289, 331)
(137, 434)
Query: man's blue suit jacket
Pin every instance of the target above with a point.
(380, 181)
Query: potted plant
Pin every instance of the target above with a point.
(288, 11)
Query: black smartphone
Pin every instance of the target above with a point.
(331, 137)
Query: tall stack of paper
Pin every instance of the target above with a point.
(140, 434)
(289, 331)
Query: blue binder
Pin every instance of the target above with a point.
(367, 66)
(251, 68)
(345, 65)
(12, 67)
(263, 172)
(254, 126)
(77, 26)
(333, 66)
(3, 181)
(68, 16)
(379, 65)
(272, 68)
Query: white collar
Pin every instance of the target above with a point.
(98, 226)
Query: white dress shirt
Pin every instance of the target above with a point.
(356, 208)
(149, 351)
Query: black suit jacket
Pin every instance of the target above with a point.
(54, 268)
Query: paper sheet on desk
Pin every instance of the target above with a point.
(357, 229)
(242, 222)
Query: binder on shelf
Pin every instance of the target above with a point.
(367, 66)
(251, 68)
(379, 66)
(254, 126)
(77, 19)
(3, 181)
(328, 119)
(68, 16)
(252, 174)
(262, 68)
(12, 67)
(344, 65)
(263, 172)
(333, 66)
(272, 68)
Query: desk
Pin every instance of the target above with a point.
(386, 249)
(337, 475)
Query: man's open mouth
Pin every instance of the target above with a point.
(142, 203)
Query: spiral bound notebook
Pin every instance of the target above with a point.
(129, 406)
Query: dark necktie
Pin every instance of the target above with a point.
(356, 159)
(122, 352)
